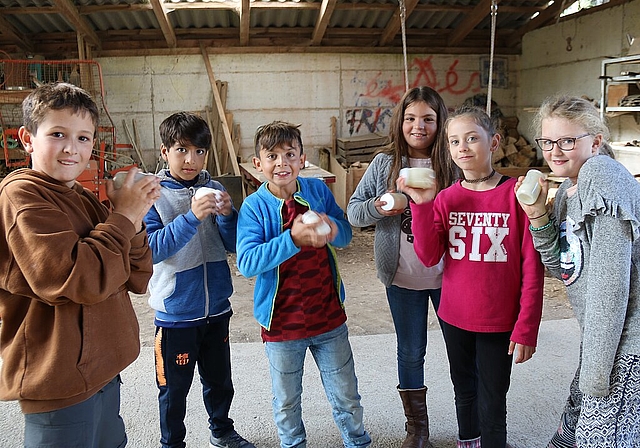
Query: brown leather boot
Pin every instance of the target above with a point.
(414, 402)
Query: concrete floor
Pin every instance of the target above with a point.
(536, 398)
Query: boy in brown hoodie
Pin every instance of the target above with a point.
(68, 326)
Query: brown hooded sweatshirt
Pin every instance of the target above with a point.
(66, 266)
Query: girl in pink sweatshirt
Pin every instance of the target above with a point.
(492, 282)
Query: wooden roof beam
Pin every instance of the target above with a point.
(472, 19)
(15, 36)
(163, 20)
(395, 24)
(245, 23)
(91, 9)
(326, 10)
(82, 27)
(28, 10)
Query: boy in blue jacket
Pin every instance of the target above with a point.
(299, 295)
(189, 235)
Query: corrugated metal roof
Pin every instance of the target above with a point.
(44, 26)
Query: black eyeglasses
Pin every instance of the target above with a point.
(564, 143)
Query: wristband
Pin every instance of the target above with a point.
(537, 217)
(537, 229)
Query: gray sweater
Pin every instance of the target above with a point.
(593, 246)
(362, 212)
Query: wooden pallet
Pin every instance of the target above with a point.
(360, 148)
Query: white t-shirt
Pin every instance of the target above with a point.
(411, 273)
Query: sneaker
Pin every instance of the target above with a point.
(230, 440)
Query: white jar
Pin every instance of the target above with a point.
(311, 217)
(418, 177)
(394, 201)
(202, 191)
(530, 188)
(118, 179)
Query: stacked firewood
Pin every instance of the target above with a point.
(514, 150)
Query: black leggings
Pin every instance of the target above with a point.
(480, 371)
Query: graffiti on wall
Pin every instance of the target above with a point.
(374, 104)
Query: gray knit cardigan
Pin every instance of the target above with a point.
(362, 212)
(593, 245)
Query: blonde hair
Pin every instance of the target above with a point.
(577, 110)
(479, 117)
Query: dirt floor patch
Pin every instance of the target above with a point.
(366, 305)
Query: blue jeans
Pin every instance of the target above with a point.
(332, 354)
(409, 310)
(93, 423)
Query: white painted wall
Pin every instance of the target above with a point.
(360, 90)
(309, 89)
(547, 67)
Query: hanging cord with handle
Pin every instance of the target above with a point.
(494, 15)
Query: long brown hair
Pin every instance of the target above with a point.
(398, 148)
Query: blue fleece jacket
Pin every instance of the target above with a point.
(263, 245)
(191, 278)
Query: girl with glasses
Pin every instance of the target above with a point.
(591, 241)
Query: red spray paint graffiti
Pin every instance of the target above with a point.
(375, 119)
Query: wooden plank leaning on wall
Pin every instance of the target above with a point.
(221, 112)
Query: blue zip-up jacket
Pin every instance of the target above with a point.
(263, 245)
(191, 278)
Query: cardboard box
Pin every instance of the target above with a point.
(347, 180)
(615, 92)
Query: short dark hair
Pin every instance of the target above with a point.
(57, 96)
(185, 128)
(277, 133)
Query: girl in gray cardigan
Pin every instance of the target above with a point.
(591, 241)
(416, 140)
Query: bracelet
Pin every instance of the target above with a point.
(537, 217)
(537, 229)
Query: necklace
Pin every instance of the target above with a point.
(482, 179)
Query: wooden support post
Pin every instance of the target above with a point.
(221, 113)
(214, 148)
(81, 47)
(220, 142)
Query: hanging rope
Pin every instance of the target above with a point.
(561, 10)
(403, 18)
(494, 15)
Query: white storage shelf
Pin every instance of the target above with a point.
(630, 66)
